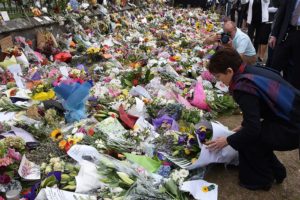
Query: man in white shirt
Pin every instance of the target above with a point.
(238, 40)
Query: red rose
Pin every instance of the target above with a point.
(135, 82)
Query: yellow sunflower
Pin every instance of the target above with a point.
(56, 135)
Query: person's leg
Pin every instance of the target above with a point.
(251, 30)
(255, 171)
(294, 41)
(270, 56)
(263, 49)
(257, 35)
(264, 33)
(280, 59)
(240, 19)
(278, 168)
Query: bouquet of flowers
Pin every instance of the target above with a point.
(178, 145)
(74, 96)
(204, 134)
(136, 77)
(43, 92)
(11, 149)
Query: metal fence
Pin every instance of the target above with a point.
(20, 8)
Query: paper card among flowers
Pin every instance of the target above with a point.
(201, 189)
(29, 170)
(221, 86)
(57, 194)
(84, 152)
(111, 126)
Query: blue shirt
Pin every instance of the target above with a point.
(242, 44)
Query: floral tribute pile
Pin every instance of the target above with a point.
(115, 108)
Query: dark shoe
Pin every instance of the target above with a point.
(256, 187)
(280, 175)
(279, 180)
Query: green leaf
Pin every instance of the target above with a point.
(127, 82)
(172, 187)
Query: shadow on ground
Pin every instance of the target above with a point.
(227, 179)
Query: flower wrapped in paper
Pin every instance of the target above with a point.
(199, 99)
(74, 96)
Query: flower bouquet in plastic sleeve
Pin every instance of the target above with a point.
(74, 96)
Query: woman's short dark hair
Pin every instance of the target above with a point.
(223, 59)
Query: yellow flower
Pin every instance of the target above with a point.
(187, 151)
(93, 50)
(56, 135)
(177, 58)
(74, 140)
(204, 189)
(62, 144)
(191, 136)
(197, 25)
(43, 96)
(202, 128)
(194, 160)
(125, 92)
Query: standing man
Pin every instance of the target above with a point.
(285, 37)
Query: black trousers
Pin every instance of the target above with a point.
(286, 58)
(258, 164)
(254, 32)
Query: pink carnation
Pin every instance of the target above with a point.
(13, 154)
(206, 75)
(4, 162)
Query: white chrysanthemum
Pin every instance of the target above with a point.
(43, 166)
(183, 173)
(48, 169)
(54, 160)
(57, 166)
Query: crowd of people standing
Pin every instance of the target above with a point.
(273, 27)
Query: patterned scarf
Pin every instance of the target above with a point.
(265, 83)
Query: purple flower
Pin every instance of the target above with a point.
(4, 179)
(182, 139)
(201, 135)
(192, 141)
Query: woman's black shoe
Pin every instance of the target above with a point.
(256, 187)
(279, 180)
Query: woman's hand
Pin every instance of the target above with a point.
(217, 144)
(237, 128)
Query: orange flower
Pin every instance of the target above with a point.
(72, 44)
(62, 144)
(135, 65)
